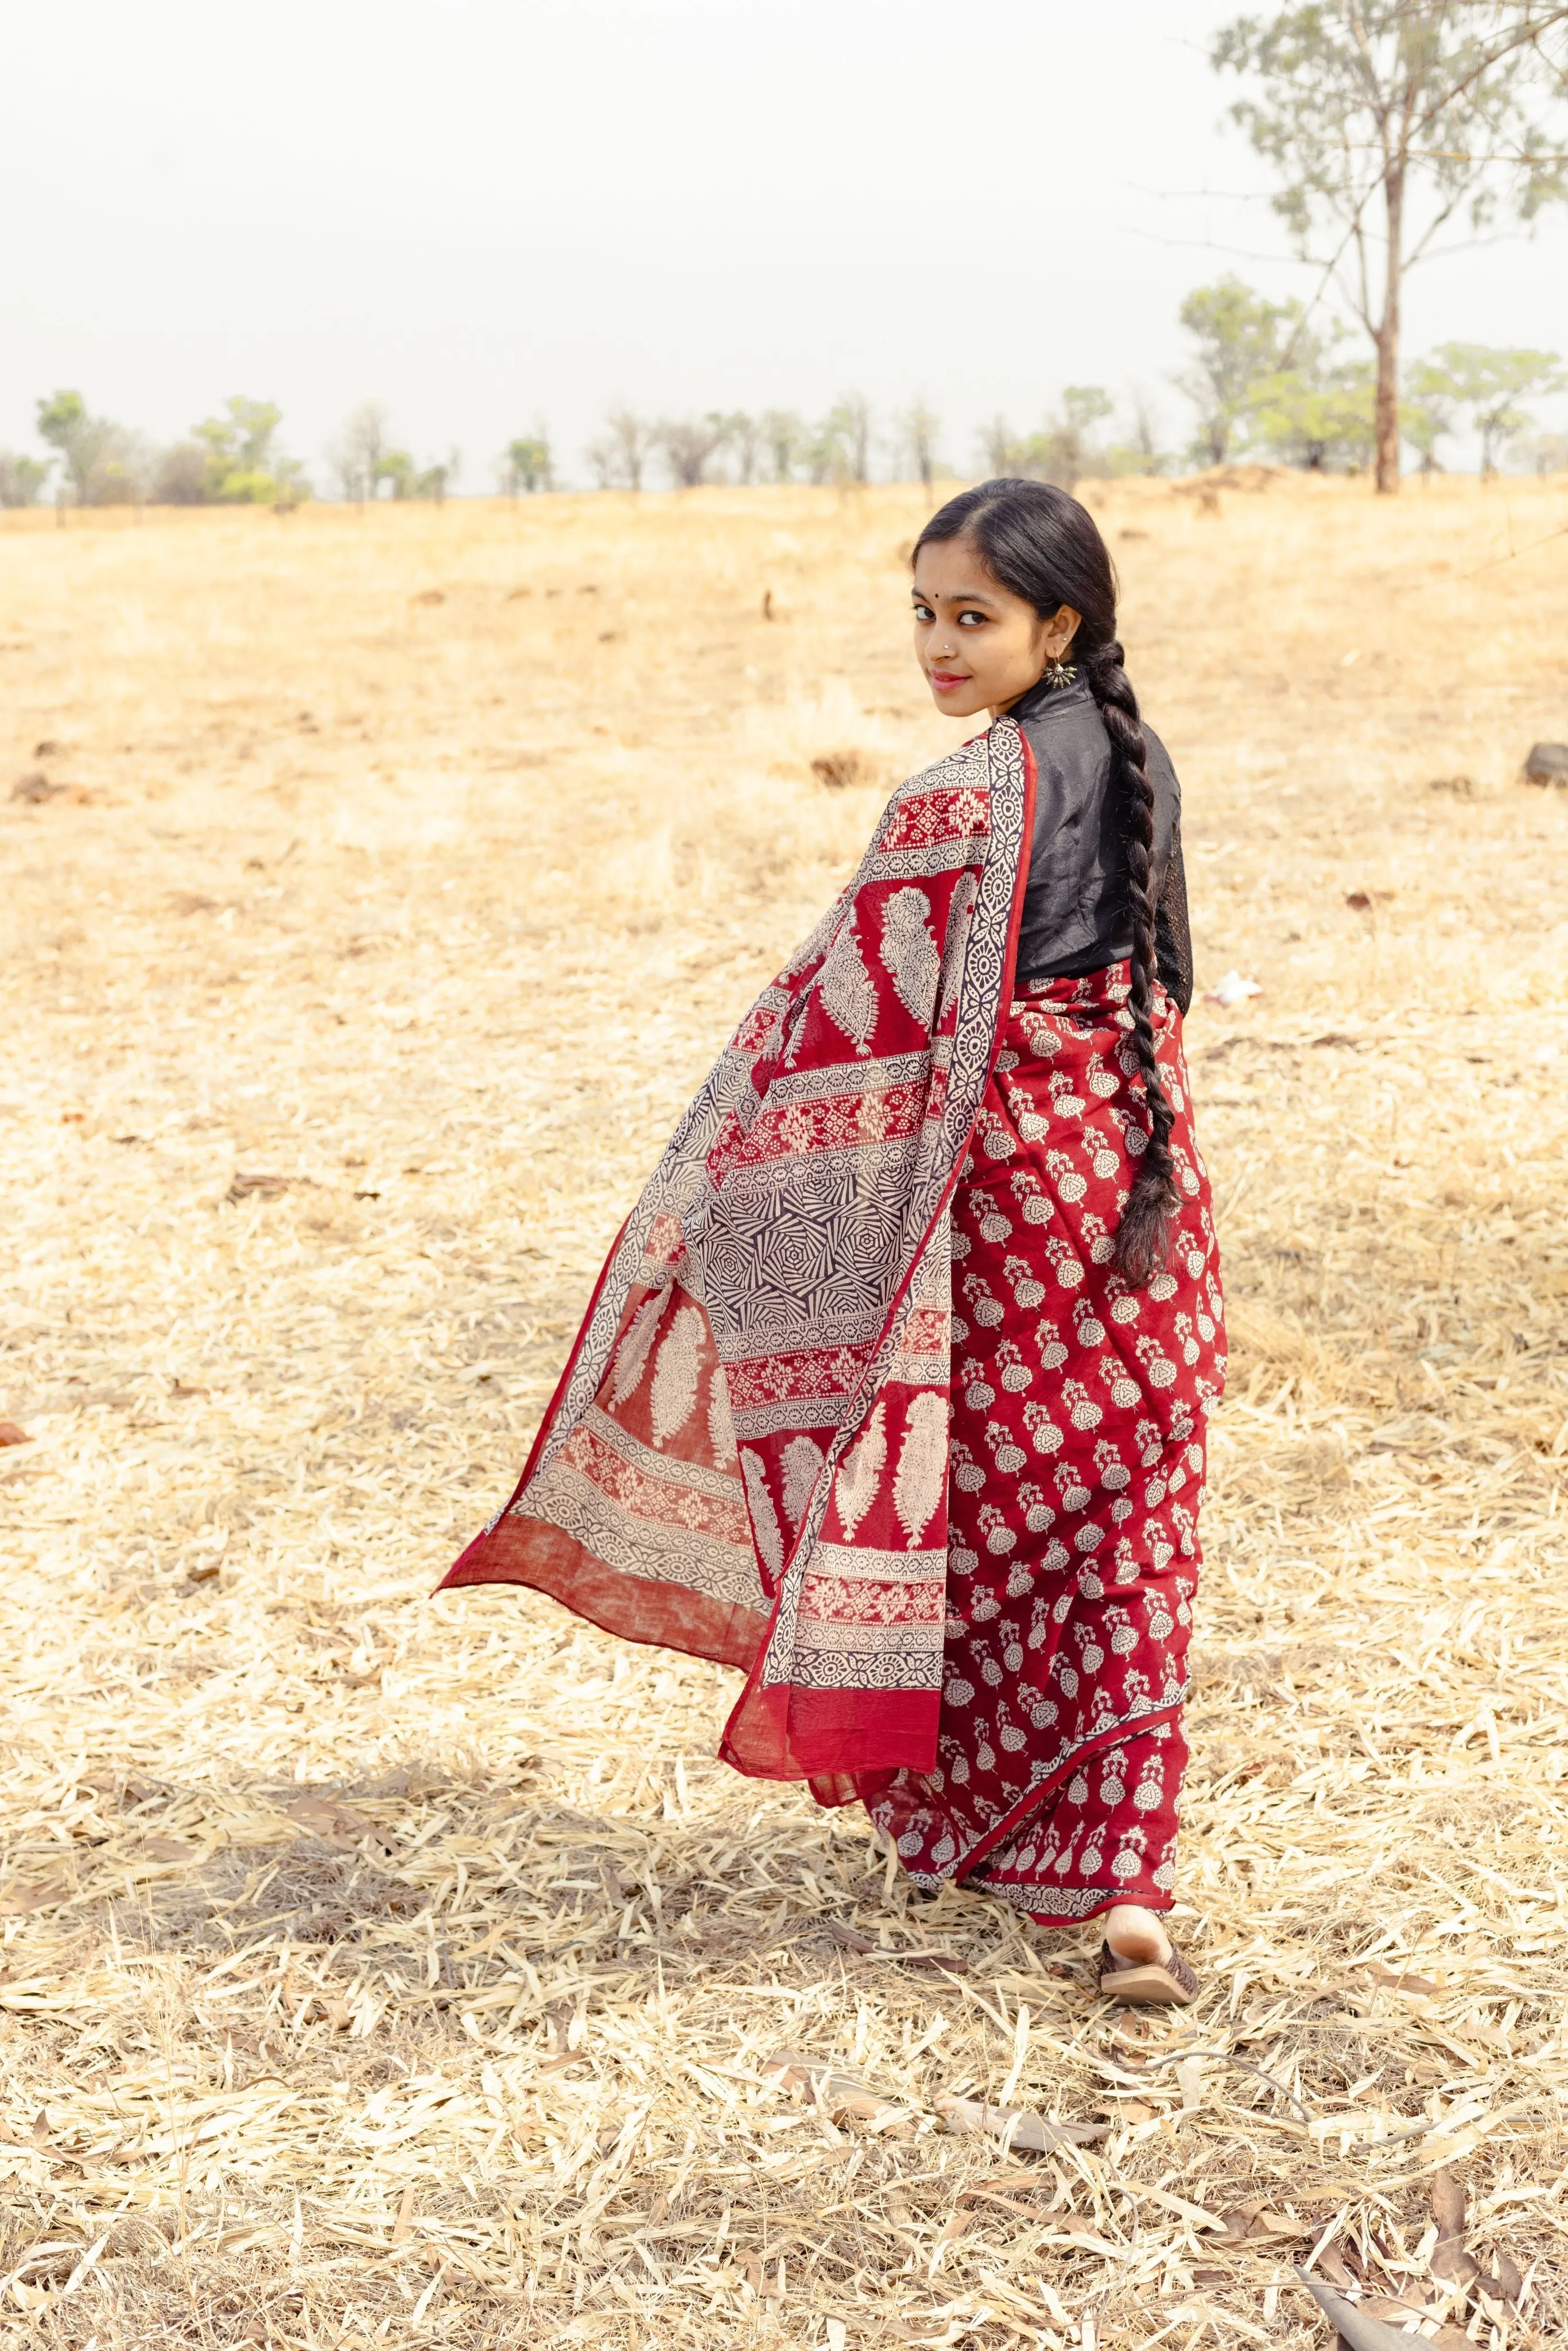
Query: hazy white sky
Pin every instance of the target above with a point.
(485, 213)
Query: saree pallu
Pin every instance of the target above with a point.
(1076, 1468)
(755, 1446)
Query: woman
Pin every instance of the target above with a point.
(892, 1391)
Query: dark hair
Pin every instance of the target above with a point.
(1045, 546)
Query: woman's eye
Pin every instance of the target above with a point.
(924, 612)
(971, 620)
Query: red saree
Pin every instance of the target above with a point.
(751, 1455)
(1077, 1464)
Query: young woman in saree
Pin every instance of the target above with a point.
(892, 1392)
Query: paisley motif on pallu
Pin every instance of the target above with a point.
(746, 1456)
(1075, 1467)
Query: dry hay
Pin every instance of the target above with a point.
(382, 1971)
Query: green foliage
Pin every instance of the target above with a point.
(1320, 418)
(784, 438)
(230, 460)
(840, 448)
(21, 478)
(406, 479)
(101, 459)
(1242, 340)
(1489, 383)
(527, 465)
(742, 433)
(1064, 451)
(1389, 121)
(1458, 92)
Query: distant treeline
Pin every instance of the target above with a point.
(1263, 382)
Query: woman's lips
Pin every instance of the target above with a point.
(944, 679)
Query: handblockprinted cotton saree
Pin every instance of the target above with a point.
(860, 1407)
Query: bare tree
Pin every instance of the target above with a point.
(689, 445)
(999, 447)
(359, 456)
(628, 441)
(920, 427)
(785, 435)
(744, 434)
(852, 414)
(1386, 119)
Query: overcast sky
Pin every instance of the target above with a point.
(487, 214)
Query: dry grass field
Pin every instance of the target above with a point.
(378, 1971)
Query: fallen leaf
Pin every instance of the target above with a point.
(996, 2192)
(1332, 2264)
(1356, 2328)
(1448, 2204)
(323, 1816)
(1421, 1987)
(268, 1187)
(163, 1848)
(1505, 2281)
(12, 1433)
(1255, 2220)
(839, 2093)
(848, 1937)
(852, 1941)
(18, 1901)
(1016, 2125)
(403, 2226)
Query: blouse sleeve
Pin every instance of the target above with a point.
(1173, 937)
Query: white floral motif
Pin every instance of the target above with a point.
(631, 1355)
(764, 1518)
(847, 995)
(720, 1426)
(909, 951)
(860, 1471)
(802, 1465)
(922, 1466)
(675, 1391)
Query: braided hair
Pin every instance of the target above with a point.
(1045, 547)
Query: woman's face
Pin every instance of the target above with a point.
(979, 645)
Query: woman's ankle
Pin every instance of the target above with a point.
(1135, 1933)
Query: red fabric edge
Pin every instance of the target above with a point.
(887, 1710)
(531, 1551)
(1034, 1797)
(824, 1733)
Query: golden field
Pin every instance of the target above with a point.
(378, 1971)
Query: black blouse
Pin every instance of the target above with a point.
(1076, 910)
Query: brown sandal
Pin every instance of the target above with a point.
(1148, 1983)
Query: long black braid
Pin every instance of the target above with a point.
(1046, 548)
(1143, 1237)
